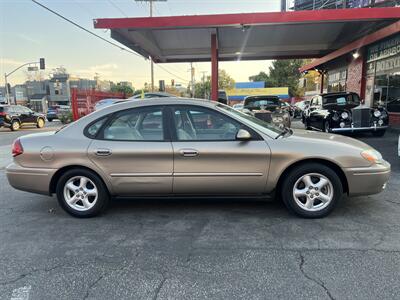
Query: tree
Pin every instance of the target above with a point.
(127, 90)
(203, 89)
(283, 73)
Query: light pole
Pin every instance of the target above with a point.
(41, 63)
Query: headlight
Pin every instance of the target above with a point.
(372, 156)
(277, 119)
(344, 115)
(377, 113)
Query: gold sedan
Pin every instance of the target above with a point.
(185, 147)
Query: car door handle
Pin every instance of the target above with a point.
(103, 152)
(189, 152)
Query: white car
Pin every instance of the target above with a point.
(107, 102)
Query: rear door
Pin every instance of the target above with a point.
(134, 151)
(209, 160)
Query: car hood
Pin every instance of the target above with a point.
(326, 138)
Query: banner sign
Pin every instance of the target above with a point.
(240, 94)
(384, 49)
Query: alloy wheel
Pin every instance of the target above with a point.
(313, 192)
(15, 125)
(80, 193)
(40, 123)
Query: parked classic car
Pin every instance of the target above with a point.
(267, 108)
(341, 112)
(184, 147)
(16, 116)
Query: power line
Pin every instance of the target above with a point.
(117, 7)
(84, 29)
(176, 76)
(103, 39)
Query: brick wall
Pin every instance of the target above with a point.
(354, 75)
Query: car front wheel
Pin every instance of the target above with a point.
(40, 123)
(81, 193)
(311, 190)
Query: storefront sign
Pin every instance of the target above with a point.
(384, 49)
(336, 76)
(385, 65)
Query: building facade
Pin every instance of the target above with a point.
(371, 68)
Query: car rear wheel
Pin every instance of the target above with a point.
(311, 190)
(40, 123)
(379, 133)
(15, 125)
(81, 193)
(50, 120)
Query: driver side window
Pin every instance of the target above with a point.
(201, 124)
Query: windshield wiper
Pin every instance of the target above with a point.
(285, 130)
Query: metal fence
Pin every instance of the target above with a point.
(83, 101)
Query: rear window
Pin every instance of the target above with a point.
(261, 101)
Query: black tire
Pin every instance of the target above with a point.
(379, 133)
(102, 198)
(15, 125)
(327, 128)
(50, 120)
(306, 125)
(39, 124)
(294, 175)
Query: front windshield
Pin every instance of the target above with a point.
(261, 101)
(256, 123)
(341, 99)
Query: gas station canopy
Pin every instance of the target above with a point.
(249, 36)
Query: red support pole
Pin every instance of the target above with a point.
(214, 67)
(74, 104)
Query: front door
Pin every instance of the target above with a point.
(134, 152)
(209, 160)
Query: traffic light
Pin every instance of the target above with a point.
(42, 64)
(172, 82)
(162, 86)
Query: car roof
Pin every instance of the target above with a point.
(336, 94)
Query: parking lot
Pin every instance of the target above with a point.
(198, 249)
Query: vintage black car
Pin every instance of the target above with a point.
(267, 108)
(341, 112)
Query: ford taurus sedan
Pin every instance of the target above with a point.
(185, 147)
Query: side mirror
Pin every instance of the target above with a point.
(243, 135)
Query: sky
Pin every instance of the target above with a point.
(28, 32)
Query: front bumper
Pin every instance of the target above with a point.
(32, 180)
(359, 129)
(367, 180)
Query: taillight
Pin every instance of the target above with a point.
(2, 114)
(17, 148)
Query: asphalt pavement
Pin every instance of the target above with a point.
(209, 249)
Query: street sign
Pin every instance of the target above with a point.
(32, 69)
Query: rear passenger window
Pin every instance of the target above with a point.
(95, 127)
(136, 125)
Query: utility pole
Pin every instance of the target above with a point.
(151, 59)
(192, 79)
(203, 80)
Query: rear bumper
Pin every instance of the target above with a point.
(358, 129)
(30, 179)
(367, 181)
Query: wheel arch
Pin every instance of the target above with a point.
(336, 168)
(61, 171)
